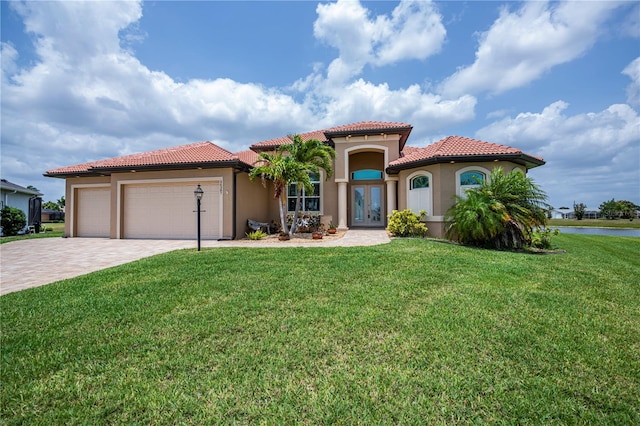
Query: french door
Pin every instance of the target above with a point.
(367, 203)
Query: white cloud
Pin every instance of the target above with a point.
(520, 46)
(86, 96)
(633, 90)
(598, 152)
(414, 31)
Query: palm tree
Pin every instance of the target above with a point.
(501, 212)
(312, 155)
(281, 170)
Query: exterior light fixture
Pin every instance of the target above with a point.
(198, 193)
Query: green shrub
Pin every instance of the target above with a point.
(12, 220)
(541, 238)
(256, 235)
(407, 224)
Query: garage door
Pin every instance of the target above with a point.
(94, 207)
(167, 210)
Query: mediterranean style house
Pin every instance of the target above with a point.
(151, 194)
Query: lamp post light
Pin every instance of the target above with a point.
(198, 194)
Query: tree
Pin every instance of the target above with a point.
(12, 220)
(281, 170)
(61, 202)
(312, 155)
(610, 209)
(33, 188)
(500, 213)
(51, 206)
(578, 210)
(628, 209)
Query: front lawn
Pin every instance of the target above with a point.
(414, 332)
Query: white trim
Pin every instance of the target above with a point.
(119, 212)
(417, 173)
(72, 218)
(487, 175)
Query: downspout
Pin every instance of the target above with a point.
(235, 201)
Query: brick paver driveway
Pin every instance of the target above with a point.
(32, 263)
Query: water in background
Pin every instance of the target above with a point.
(616, 232)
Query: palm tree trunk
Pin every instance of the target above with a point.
(283, 216)
(294, 225)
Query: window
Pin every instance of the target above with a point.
(308, 202)
(472, 178)
(366, 174)
(419, 194)
(469, 177)
(419, 182)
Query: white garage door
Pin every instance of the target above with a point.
(94, 207)
(167, 210)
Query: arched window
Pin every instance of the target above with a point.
(470, 177)
(419, 192)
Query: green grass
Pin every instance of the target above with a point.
(414, 332)
(56, 232)
(600, 223)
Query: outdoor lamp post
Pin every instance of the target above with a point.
(198, 193)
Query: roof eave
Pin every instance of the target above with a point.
(106, 171)
(403, 131)
(523, 159)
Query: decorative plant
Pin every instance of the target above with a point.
(407, 224)
(332, 226)
(256, 235)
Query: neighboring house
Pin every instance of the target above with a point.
(19, 197)
(50, 215)
(150, 195)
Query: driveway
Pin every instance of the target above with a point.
(31, 263)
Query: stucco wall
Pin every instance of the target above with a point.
(443, 188)
(253, 202)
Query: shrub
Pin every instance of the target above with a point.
(12, 220)
(407, 224)
(541, 238)
(256, 235)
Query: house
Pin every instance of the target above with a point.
(150, 195)
(19, 197)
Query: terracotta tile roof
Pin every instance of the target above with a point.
(364, 127)
(369, 126)
(459, 147)
(274, 143)
(194, 153)
(248, 157)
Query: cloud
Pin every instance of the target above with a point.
(633, 90)
(86, 96)
(597, 151)
(521, 46)
(413, 31)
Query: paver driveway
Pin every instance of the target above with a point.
(31, 263)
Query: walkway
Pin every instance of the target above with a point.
(31, 263)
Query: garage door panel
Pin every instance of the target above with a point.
(94, 212)
(168, 211)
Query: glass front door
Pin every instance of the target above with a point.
(367, 205)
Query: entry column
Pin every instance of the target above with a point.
(342, 205)
(391, 194)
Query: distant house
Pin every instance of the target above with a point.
(13, 195)
(150, 195)
(49, 215)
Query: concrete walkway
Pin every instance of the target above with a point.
(31, 263)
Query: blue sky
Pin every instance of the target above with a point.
(82, 81)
